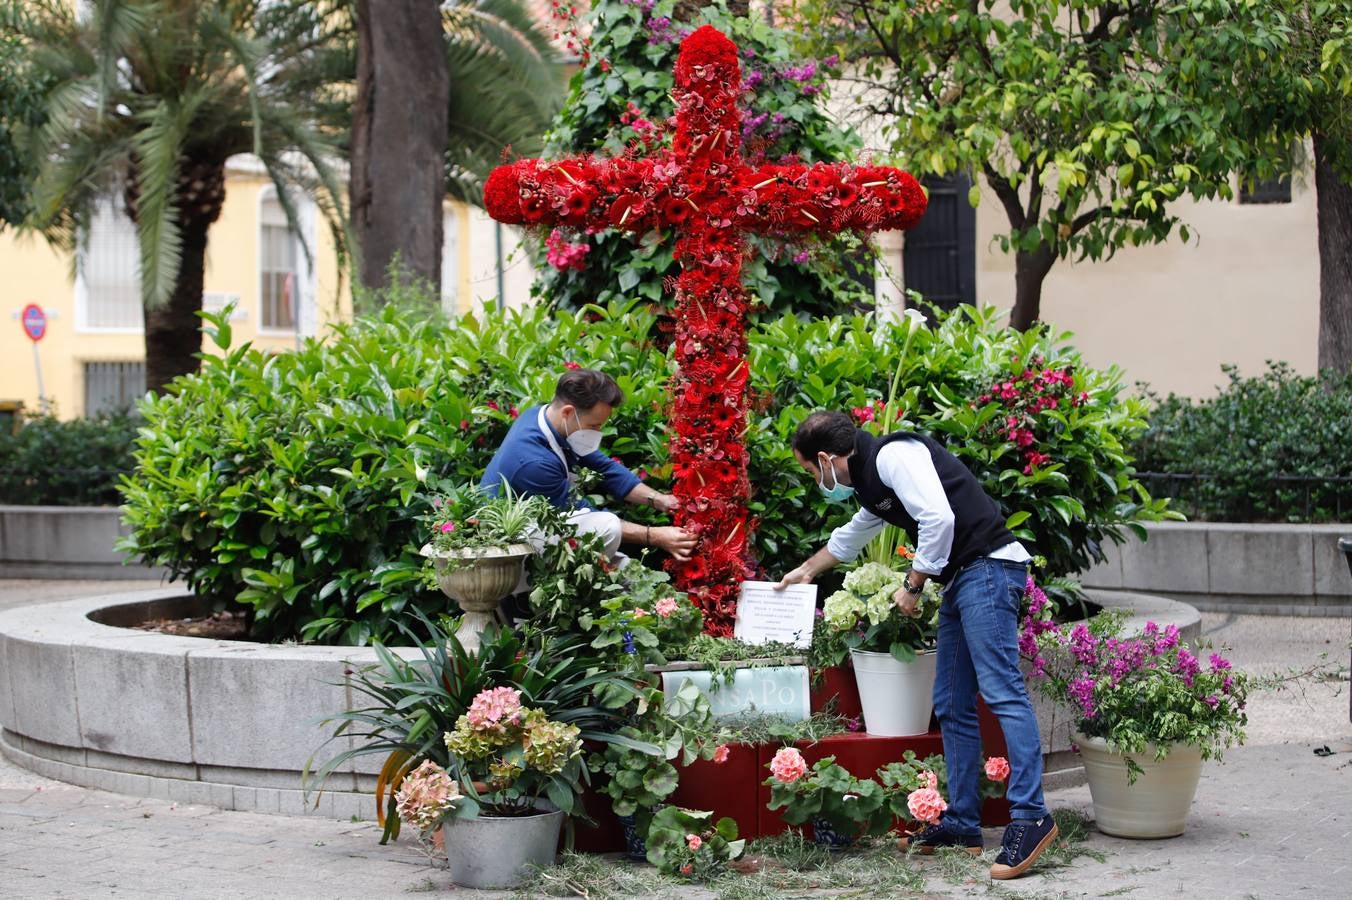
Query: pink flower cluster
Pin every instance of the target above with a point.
(494, 709)
(997, 768)
(563, 255)
(868, 412)
(926, 804)
(426, 796)
(665, 607)
(694, 841)
(1026, 395)
(722, 753)
(788, 765)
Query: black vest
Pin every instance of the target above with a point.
(978, 526)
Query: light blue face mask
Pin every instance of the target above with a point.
(837, 493)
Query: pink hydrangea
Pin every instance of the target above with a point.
(997, 768)
(722, 753)
(694, 841)
(788, 765)
(426, 796)
(494, 709)
(665, 607)
(926, 805)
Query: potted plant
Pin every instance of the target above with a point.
(1149, 712)
(840, 807)
(687, 843)
(477, 549)
(916, 788)
(892, 653)
(505, 723)
(639, 783)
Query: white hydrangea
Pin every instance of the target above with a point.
(868, 579)
(842, 610)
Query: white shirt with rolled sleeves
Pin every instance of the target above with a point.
(908, 469)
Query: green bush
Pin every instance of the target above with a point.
(295, 482)
(51, 462)
(1267, 448)
(633, 56)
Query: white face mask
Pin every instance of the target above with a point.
(584, 440)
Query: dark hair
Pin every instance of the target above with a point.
(825, 431)
(584, 388)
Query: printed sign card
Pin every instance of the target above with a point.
(765, 614)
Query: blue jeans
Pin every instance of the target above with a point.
(979, 651)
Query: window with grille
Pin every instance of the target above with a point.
(1275, 190)
(277, 268)
(113, 386)
(110, 270)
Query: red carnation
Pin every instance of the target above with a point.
(502, 195)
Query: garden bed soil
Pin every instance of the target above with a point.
(223, 625)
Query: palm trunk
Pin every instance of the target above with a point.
(173, 333)
(399, 133)
(1030, 270)
(1335, 262)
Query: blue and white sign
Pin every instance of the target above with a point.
(769, 690)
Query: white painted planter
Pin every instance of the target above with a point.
(1157, 805)
(897, 697)
(493, 852)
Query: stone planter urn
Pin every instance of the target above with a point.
(477, 581)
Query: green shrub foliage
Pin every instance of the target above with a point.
(1271, 448)
(51, 462)
(295, 482)
(634, 49)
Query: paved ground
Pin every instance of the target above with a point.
(1274, 821)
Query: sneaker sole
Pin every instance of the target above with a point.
(1001, 872)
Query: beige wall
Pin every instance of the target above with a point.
(1243, 290)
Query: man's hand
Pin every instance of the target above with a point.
(800, 575)
(676, 541)
(905, 602)
(665, 503)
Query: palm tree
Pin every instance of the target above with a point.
(148, 99)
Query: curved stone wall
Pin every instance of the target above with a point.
(232, 723)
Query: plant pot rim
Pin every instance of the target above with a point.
(1104, 746)
(496, 552)
(888, 654)
(484, 817)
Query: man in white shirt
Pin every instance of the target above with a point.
(961, 541)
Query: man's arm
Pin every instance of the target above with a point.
(846, 543)
(642, 495)
(616, 479)
(908, 469)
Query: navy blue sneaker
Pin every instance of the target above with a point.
(932, 837)
(1023, 843)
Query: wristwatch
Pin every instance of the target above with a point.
(913, 591)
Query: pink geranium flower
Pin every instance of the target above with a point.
(639, 612)
(997, 768)
(665, 607)
(926, 805)
(788, 765)
(722, 753)
(447, 527)
(694, 841)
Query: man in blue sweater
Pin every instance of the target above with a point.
(548, 442)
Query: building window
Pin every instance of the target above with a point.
(111, 387)
(1275, 190)
(277, 263)
(109, 272)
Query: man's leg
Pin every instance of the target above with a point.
(955, 705)
(990, 614)
(606, 524)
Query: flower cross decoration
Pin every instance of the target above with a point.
(703, 189)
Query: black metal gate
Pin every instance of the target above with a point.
(939, 260)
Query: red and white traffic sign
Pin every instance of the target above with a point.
(34, 322)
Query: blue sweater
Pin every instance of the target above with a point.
(526, 461)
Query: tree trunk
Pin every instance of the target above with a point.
(399, 133)
(173, 332)
(1030, 270)
(1335, 262)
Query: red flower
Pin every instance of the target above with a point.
(676, 210)
(571, 366)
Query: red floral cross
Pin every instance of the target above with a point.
(703, 189)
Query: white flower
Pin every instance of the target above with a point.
(916, 316)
